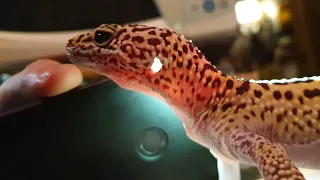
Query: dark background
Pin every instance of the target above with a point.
(50, 15)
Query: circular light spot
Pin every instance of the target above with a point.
(208, 6)
(152, 142)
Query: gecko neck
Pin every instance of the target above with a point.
(190, 90)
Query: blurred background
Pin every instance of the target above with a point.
(253, 39)
(261, 38)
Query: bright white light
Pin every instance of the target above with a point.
(248, 11)
(270, 8)
(156, 65)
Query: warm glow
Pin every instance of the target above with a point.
(270, 8)
(248, 11)
(156, 65)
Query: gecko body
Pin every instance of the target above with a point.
(273, 125)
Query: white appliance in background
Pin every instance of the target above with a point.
(199, 18)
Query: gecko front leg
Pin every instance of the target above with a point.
(227, 170)
(271, 159)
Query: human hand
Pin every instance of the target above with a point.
(43, 78)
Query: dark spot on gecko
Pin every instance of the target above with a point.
(174, 74)
(192, 90)
(181, 76)
(126, 37)
(181, 91)
(257, 93)
(121, 32)
(253, 113)
(185, 49)
(154, 41)
(229, 84)
(294, 111)
(271, 108)
(318, 131)
(311, 93)
(262, 116)
(191, 47)
(288, 95)
(188, 99)
(152, 32)
(124, 48)
(156, 81)
(137, 39)
(307, 112)
(164, 37)
(214, 108)
(191, 104)
(293, 136)
(175, 91)
(173, 57)
(195, 57)
(189, 64)
(187, 78)
(165, 78)
(240, 106)
(301, 100)
(113, 61)
(136, 29)
(226, 106)
(279, 118)
(294, 123)
(245, 86)
(208, 80)
(246, 117)
(133, 65)
(165, 86)
(309, 123)
(165, 53)
(286, 128)
(175, 46)
(79, 38)
(179, 64)
(277, 95)
(216, 83)
(206, 67)
(180, 53)
(198, 97)
(318, 118)
(199, 54)
(231, 120)
(300, 127)
(264, 85)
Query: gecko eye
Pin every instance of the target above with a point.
(102, 38)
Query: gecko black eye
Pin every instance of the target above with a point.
(102, 37)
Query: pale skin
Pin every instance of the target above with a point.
(272, 125)
(42, 78)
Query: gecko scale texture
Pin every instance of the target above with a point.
(273, 125)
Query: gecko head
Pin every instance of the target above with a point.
(134, 54)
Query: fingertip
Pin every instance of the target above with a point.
(63, 78)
